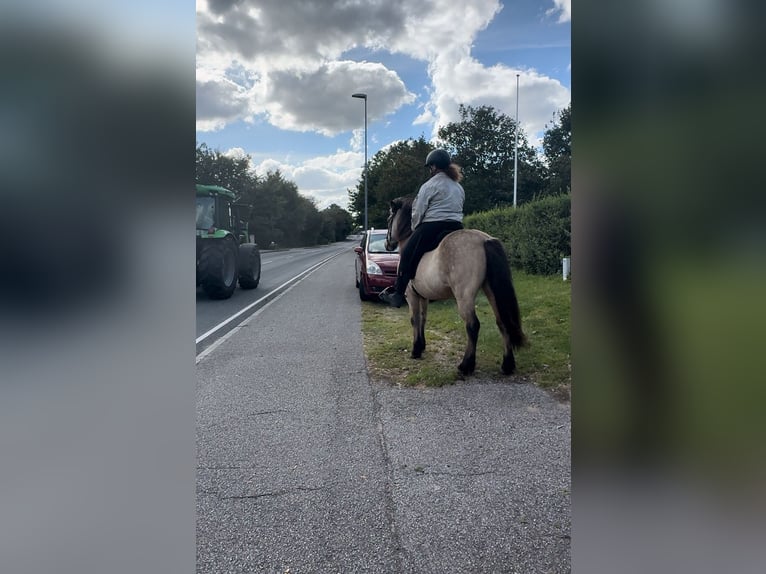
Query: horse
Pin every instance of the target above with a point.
(464, 262)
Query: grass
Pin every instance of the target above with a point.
(545, 316)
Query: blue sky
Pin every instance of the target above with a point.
(275, 77)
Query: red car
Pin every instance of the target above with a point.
(374, 266)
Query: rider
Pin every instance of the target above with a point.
(437, 209)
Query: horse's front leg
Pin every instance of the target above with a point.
(418, 310)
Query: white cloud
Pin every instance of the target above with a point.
(235, 153)
(433, 27)
(474, 84)
(563, 8)
(458, 78)
(357, 140)
(321, 100)
(220, 101)
(318, 100)
(292, 47)
(294, 33)
(278, 59)
(327, 178)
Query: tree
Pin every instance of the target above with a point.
(557, 146)
(482, 143)
(278, 214)
(337, 224)
(214, 168)
(394, 172)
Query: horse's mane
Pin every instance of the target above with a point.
(402, 205)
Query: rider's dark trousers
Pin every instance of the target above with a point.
(425, 238)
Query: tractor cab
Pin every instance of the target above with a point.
(216, 210)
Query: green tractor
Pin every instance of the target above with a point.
(225, 250)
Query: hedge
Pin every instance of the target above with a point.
(536, 235)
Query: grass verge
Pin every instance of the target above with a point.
(545, 316)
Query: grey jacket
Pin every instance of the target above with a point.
(438, 199)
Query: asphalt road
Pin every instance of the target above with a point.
(306, 465)
(277, 268)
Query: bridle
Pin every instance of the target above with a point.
(399, 230)
(390, 242)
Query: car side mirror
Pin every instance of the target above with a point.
(358, 250)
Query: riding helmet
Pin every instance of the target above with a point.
(439, 158)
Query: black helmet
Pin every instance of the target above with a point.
(439, 158)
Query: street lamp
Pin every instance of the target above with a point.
(516, 146)
(364, 97)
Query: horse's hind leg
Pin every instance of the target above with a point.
(418, 312)
(467, 310)
(509, 361)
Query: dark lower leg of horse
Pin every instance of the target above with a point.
(418, 346)
(508, 365)
(418, 335)
(468, 364)
(509, 361)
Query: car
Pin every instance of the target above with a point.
(375, 268)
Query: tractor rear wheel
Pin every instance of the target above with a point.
(218, 268)
(249, 266)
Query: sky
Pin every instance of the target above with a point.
(275, 77)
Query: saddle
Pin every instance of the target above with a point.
(442, 235)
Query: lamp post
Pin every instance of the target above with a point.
(516, 145)
(364, 97)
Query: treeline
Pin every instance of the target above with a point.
(280, 215)
(482, 143)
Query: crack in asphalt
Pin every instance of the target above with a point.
(461, 474)
(390, 509)
(274, 412)
(275, 493)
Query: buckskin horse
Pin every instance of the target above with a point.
(464, 262)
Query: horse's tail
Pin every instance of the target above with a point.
(501, 285)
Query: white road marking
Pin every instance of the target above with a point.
(239, 313)
(280, 258)
(221, 340)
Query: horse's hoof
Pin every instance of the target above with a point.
(415, 355)
(508, 367)
(466, 368)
